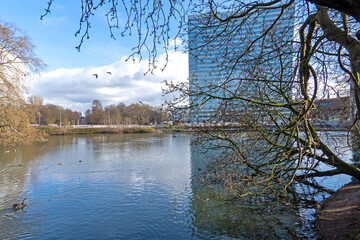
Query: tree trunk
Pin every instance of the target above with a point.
(350, 7)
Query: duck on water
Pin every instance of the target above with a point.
(18, 206)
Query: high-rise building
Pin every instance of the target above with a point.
(228, 59)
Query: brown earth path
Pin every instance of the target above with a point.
(339, 215)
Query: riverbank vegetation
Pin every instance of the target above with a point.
(136, 113)
(93, 130)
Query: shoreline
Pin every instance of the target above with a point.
(339, 214)
(117, 129)
(52, 131)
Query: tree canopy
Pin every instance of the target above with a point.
(135, 113)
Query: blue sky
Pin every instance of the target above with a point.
(68, 80)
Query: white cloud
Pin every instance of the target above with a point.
(77, 88)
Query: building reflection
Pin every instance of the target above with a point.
(218, 212)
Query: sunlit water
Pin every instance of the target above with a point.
(132, 186)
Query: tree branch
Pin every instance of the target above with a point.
(350, 7)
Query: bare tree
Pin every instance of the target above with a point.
(17, 60)
(134, 113)
(35, 106)
(96, 115)
(257, 86)
(349, 7)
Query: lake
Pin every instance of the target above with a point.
(133, 186)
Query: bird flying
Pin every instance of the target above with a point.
(96, 75)
(108, 73)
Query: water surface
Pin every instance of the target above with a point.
(132, 186)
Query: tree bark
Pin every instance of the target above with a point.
(349, 7)
(333, 33)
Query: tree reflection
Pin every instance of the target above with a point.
(217, 209)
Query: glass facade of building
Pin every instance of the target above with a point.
(231, 61)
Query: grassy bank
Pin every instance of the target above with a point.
(94, 130)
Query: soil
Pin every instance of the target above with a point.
(339, 215)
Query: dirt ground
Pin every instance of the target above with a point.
(339, 215)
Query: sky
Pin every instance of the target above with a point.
(68, 79)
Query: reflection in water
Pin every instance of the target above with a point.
(264, 218)
(129, 187)
(217, 212)
(126, 186)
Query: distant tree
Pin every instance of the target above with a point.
(51, 114)
(74, 117)
(68, 116)
(158, 115)
(140, 113)
(96, 115)
(97, 112)
(123, 113)
(88, 119)
(135, 113)
(114, 115)
(17, 61)
(35, 107)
